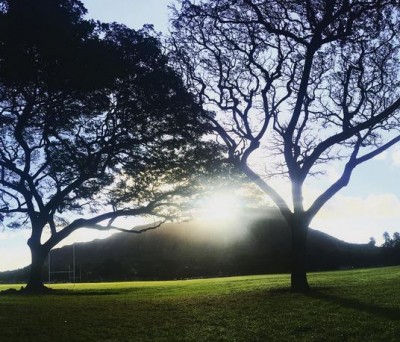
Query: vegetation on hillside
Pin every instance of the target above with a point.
(205, 249)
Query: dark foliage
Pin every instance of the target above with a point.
(94, 124)
(391, 248)
(391, 242)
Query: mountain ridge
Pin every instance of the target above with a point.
(199, 249)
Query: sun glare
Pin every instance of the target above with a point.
(219, 206)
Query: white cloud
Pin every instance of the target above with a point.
(14, 251)
(372, 206)
(396, 156)
(7, 234)
(355, 219)
(11, 260)
(333, 174)
(382, 156)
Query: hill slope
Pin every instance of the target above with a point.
(203, 249)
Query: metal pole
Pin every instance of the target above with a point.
(49, 267)
(73, 262)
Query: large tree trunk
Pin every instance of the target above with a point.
(299, 281)
(38, 254)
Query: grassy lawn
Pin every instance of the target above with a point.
(355, 305)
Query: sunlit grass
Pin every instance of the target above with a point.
(356, 305)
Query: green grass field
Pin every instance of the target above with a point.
(355, 305)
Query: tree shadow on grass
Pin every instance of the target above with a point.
(53, 292)
(320, 294)
(384, 312)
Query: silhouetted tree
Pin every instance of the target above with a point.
(94, 125)
(390, 251)
(388, 241)
(295, 85)
(393, 242)
(396, 239)
(372, 241)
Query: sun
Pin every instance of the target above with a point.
(219, 206)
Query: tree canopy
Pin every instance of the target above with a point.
(393, 242)
(95, 125)
(298, 86)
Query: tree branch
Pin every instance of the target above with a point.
(124, 230)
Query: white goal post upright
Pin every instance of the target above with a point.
(71, 274)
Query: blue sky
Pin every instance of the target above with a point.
(369, 206)
(133, 13)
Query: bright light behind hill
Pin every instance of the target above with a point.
(220, 206)
(220, 215)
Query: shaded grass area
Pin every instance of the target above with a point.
(356, 305)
